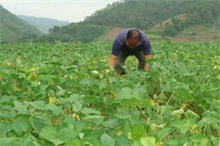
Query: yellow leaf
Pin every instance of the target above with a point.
(216, 67)
(119, 133)
(159, 144)
(152, 102)
(76, 116)
(154, 126)
(52, 99)
(194, 129)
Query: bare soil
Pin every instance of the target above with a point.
(204, 37)
(198, 38)
(112, 34)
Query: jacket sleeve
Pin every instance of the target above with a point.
(116, 48)
(147, 47)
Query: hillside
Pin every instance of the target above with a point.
(175, 17)
(13, 29)
(198, 32)
(43, 24)
(160, 19)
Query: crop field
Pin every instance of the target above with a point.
(64, 94)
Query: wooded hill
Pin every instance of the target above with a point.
(13, 29)
(143, 14)
(161, 17)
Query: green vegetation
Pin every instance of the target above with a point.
(43, 24)
(65, 94)
(56, 92)
(75, 32)
(145, 14)
(13, 29)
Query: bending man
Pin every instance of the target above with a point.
(130, 42)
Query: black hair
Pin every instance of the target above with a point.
(134, 33)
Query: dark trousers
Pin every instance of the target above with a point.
(123, 56)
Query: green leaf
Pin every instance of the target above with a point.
(5, 99)
(87, 110)
(126, 127)
(124, 93)
(85, 81)
(130, 102)
(21, 124)
(201, 139)
(69, 119)
(74, 142)
(75, 98)
(10, 141)
(182, 125)
(183, 91)
(93, 117)
(136, 143)
(40, 104)
(122, 141)
(163, 132)
(145, 103)
(5, 127)
(111, 123)
(47, 78)
(215, 140)
(107, 140)
(50, 106)
(45, 68)
(79, 126)
(90, 99)
(122, 115)
(76, 107)
(154, 74)
(178, 112)
(92, 138)
(148, 141)
(58, 111)
(137, 131)
(190, 113)
(58, 135)
(61, 93)
(27, 141)
(21, 108)
(173, 142)
(39, 122)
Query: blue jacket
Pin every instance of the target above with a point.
(120, 43)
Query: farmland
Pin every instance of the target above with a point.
(65, 94)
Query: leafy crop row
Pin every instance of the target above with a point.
(65, 94)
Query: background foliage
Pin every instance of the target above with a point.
(143, 14)
(13, 29)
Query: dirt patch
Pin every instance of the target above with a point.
(204, 37)
(112, 34)
(201, 38)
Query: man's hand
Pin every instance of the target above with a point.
(148, 57)
(147, 67)
(112, 61)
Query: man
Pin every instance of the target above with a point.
(130, 42)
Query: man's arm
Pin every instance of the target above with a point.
(116, 48)
(147, 52)
(148, 57)
(147, 66)
(112, 61)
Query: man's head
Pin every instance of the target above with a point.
(133, 38)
